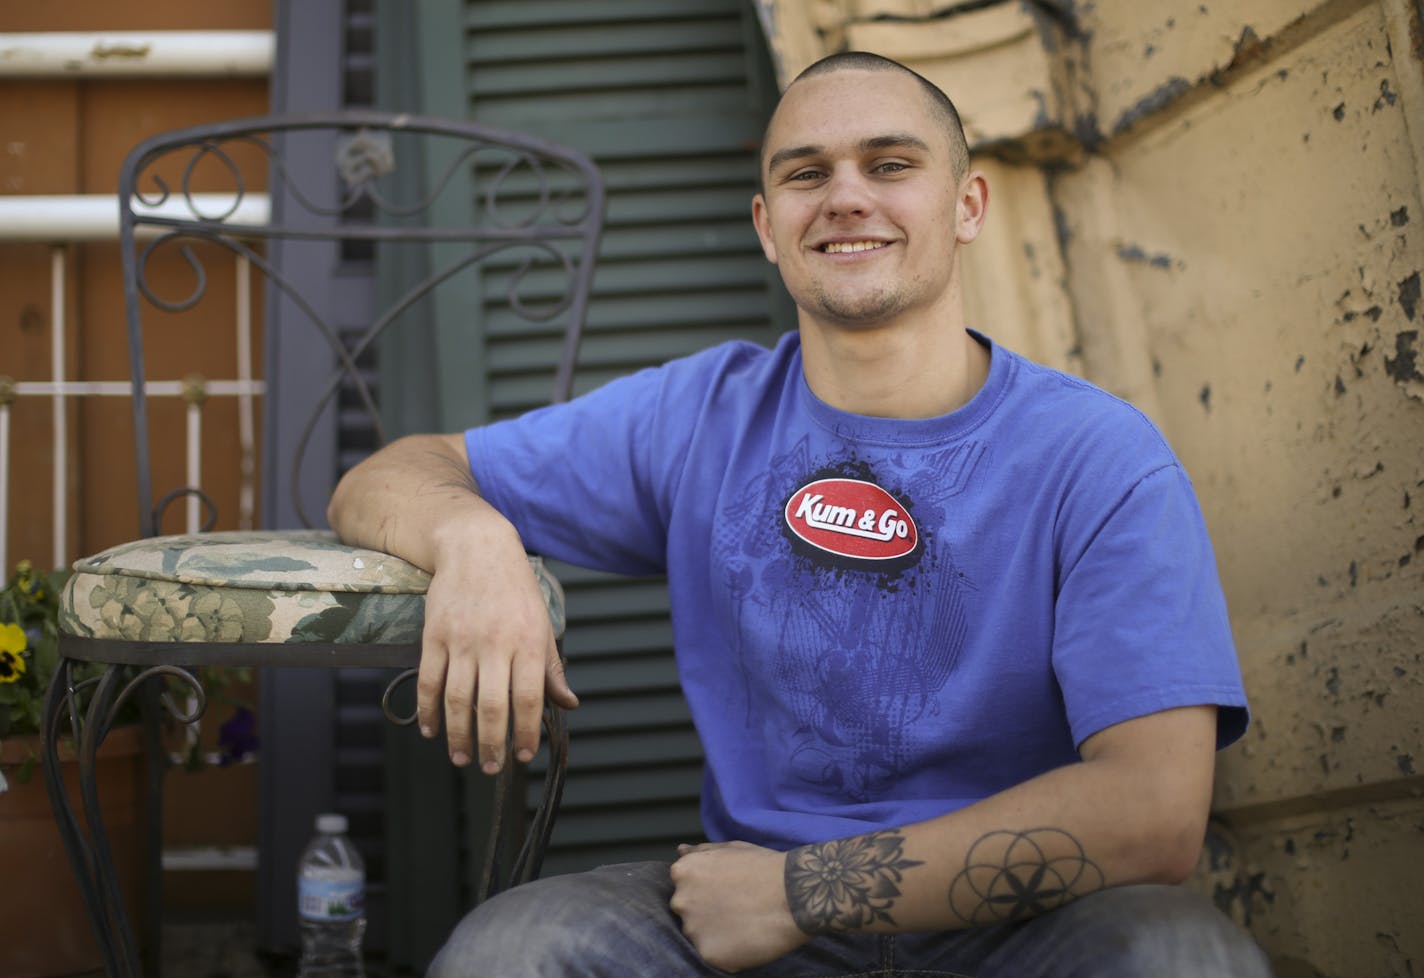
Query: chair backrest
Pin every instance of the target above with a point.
(463, 199)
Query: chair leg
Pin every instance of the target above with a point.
(87, 841)
(152, 814)
(61, 698)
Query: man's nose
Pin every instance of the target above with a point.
(847, 192)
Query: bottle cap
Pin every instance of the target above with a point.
(331, 824)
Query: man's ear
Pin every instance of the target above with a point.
(971, 208)
(761, 220)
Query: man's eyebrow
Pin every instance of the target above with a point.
(791, 153)
(894, 140)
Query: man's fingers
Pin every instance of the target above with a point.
(430, 687)
(487, 672)
(556, 684)
(460, 680)
(492, 714)
(526, 696)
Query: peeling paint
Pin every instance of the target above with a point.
(1404, 367)
(1373, 314)
(1400, 217)
(1032, 258)
(1240, 899)
(1205, 397)
(1409, 295)
(1134, 253)
(133, 52)
(1249, 48)
(1087, 130)
(1386, 96)
(1219, 851)
(1161, 97)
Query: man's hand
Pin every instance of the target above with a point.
(488, 652)
(731, 897)
(488, 649)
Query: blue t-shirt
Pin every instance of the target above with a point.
(878, 621)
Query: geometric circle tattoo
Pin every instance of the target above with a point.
(1014, 875)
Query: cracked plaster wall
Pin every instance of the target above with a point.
(1215, 211)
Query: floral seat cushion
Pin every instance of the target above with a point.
(267, 587)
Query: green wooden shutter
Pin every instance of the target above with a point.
(670, 100)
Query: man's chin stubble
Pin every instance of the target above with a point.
(863, 311)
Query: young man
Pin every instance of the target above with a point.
(948, 622)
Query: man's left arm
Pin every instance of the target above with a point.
(1133, 810)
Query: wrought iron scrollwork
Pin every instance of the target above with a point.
(531, 221)
(92, 706)
(386, 707)
(363, 156)
(210, 507)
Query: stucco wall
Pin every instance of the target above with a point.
(1215, 211)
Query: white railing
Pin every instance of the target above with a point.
(60, 221)
(194, 390)
(130, 54)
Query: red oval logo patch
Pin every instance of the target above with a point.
(851, 518)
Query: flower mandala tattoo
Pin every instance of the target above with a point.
(847, 883)
(1014, 875)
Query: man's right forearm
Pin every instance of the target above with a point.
(407, 498)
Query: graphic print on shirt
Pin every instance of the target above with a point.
(849, 608)
(853, 519)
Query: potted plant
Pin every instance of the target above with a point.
(29, 651)
(43, 928)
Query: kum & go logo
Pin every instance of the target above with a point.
(851, 518)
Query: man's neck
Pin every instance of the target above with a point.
(894, 371)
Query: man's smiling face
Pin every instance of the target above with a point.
(859, 211)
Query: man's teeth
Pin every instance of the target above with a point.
(843, 247)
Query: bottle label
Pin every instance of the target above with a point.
(330, 899)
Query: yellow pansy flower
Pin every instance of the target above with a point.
(12, 644)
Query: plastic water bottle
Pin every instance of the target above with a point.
(331, 893)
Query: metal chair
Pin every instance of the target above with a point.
(141, 618)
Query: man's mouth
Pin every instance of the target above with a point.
(847, 247)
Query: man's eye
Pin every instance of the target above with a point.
(891, 166)
(806, 175)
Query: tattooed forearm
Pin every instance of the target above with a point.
(846, 884)
(1014, 875)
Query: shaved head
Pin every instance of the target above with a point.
(940, 105)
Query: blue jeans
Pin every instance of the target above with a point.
(614, 922)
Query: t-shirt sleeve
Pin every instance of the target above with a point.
(1141, 622)
(580, 481)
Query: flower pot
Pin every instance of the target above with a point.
(44, 931)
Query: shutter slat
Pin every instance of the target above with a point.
(595, 41)
(719, 67)
(632, 786)
(577, 13)
(642, 106)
